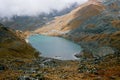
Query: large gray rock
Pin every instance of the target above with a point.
(84, 54)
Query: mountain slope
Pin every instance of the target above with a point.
(101, 30)
(74, 19)
(12, 46)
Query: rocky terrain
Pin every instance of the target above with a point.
(102, 68)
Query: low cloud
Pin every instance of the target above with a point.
(9, 8)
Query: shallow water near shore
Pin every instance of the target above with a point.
(54, 47)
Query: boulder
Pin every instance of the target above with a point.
(84, 54)
(2, 68)
(23, 78)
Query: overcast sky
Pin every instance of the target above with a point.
(32, 7)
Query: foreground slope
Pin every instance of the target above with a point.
(13, 46)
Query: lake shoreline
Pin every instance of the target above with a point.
(60, 47)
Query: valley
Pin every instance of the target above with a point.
(80, 44)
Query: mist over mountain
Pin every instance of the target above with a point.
(31, 14)
(33, 22)
(33, 7)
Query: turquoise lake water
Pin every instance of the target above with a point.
(54, 47)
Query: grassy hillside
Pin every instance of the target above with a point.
(11, 46)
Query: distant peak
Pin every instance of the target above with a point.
(94, 1)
